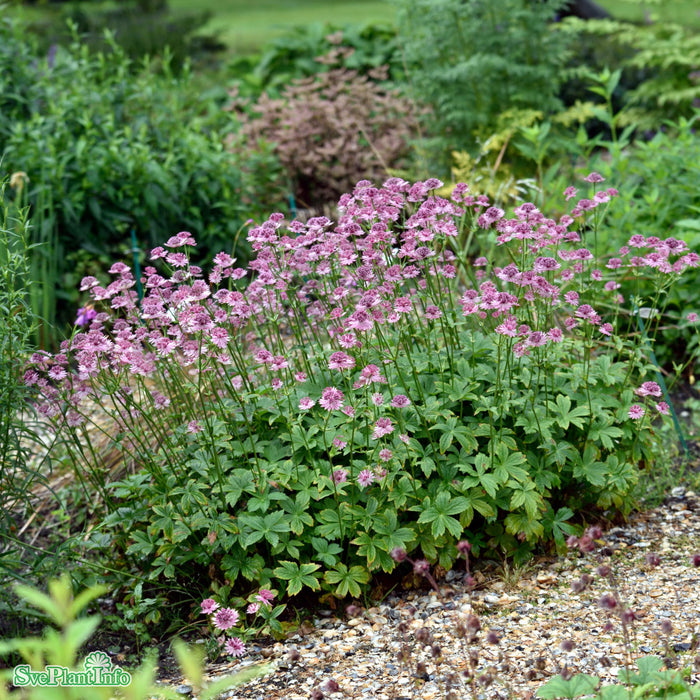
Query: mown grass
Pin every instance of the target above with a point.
(245, 26)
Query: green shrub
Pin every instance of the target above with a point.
(306, 51)
(666, 58)
(472, 60)
(369, 390)
(108, 151)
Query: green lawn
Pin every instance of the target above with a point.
(685, 12)
(247, 24)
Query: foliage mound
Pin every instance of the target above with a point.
(370, 388)
(109, 146)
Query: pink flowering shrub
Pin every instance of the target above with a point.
(365, 386)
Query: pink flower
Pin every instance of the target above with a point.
(432, 312)
(692, 317)
(377, 399)
(252, 608)
(570, 193)
(400, 401)
(606, 329)
(235, 646)
(331, 398)
(306, 403)
(555, 335)
(636, 411)
(663, 407)
(339, 443)
(300, 376)
(265, 596)
(209, 605)
(382, 427)
(340, 476)
(225, 618)
(194, 427)
(365, 478)
(594, 177)
(648, 389)
(403, 305)
(341, 361)
(385, 455)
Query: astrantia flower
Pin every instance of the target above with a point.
(377, 399)
(606, 329)
(432, 312)
(648, 389)
(194, 427)
(225, 618)
(300, 376)
(636, 411)
(339, 443)
(306, 403)
(235, 646)
(692, 317)
(209, 605)
(385, 455)
(265, 596)
(331, 398)
(340, 476)
(663, 407)
(365, 478)
(382, 427)
(340, 360)
(400, 401)
(570, 193)
(594, 177)
(253, 608)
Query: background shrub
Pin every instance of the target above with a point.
(472, 60)
(330, 131)
(108, 150)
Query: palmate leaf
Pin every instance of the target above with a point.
(298, 576)
(348, 580)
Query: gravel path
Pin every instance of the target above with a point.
(532, 613)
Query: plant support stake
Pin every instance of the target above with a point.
(137, 266)
(638, 313)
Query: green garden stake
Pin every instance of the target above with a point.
(137, 267)
(660, 380)
(292, 206)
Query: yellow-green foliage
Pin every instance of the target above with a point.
(490, 172)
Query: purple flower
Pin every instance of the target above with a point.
(663, 407)
(209, 605)
(340, 360)
(636, 412)
(365, 478)
(235, 646)
(400, 401)
(331, 398)
(85, 315)
(648, 389)
(252, 608)
(594, 177)
(306, 403)
(382, 427)
(265, 596)
(225, 618)
(340, 476)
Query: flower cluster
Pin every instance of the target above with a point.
(227, 619)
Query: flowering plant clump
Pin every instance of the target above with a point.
(365, 386)
(230, 629)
